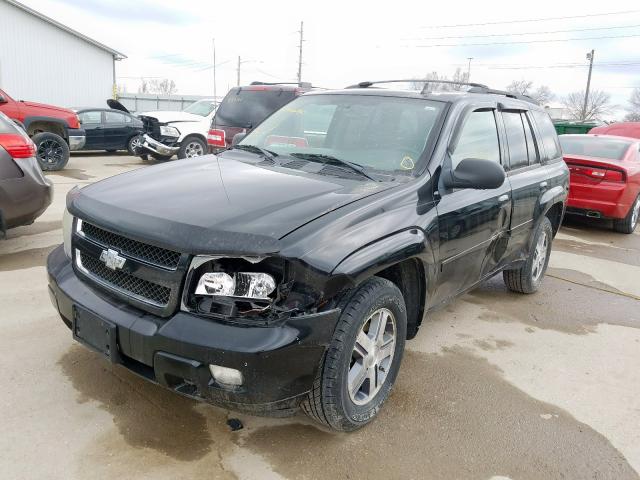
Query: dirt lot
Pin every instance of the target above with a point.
(497, 385)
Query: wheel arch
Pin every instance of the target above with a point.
(399, 258)
(199, 136)
(34, 125)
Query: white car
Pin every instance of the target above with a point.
(183, 133)
(169, 133)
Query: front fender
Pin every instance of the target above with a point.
(377, 256)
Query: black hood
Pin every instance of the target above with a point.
(215, 204)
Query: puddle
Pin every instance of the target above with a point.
(146, 415)
(451, 416)
(73, 173)
(34, 257)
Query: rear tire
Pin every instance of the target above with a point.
(628, 224)
(363, 359)
(52, 151)
(527, 279)
(192, 147)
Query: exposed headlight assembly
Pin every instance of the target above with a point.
(167, 131)
(250, 285)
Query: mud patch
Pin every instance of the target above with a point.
(492, 344)
(35, 257)
(451, 416)
(73, 173)
(581, 278)
(621, 255)
(559, 305)
(146, 415)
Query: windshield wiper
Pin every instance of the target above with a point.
(331, 160)
(268, 154)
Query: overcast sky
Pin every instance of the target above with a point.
(347, 42)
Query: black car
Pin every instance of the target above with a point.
(110, 130)
(25, 193)
(244, 108)
(289, 270)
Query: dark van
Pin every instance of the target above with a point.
(244, 108)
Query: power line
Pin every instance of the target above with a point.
(525, 33)
(520, 42)
(533, 19)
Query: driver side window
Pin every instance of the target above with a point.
(478, 139)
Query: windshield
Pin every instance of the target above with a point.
(247, 107)
(598, 147)
(201, 107)
(378, 133)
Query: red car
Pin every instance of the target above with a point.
(622, 129)
(604, 178)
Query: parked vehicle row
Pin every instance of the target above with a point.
(291, 274)
(24, 191)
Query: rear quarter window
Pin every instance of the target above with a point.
(548, 136)
(247, 108)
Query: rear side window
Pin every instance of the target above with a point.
(478, 139)
(548, 135)
(114, 117)
(91, 117)
(518, 154)
(247, 108)
(532, 148)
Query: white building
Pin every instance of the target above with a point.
(44, 61)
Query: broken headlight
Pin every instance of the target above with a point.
(252, 285)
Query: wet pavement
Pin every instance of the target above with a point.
(496, 385)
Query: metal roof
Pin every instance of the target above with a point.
(117, 55)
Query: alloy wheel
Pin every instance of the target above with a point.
(372, 356)
(136, 143)
(193, 149)
(50, 152)
(540, 255)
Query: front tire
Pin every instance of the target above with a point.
(52, 151)
(363, 359)
(134, 144)
(628, 224)
(527, 279)
(192, 147)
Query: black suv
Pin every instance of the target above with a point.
(290, 269)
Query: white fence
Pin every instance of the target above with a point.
(147, 102)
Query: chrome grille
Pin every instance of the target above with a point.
(145, 290)
(141, 251)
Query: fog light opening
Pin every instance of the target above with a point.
(226, 376)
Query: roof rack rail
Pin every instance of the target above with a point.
(417, 80)
(300, 84)
(525, 98)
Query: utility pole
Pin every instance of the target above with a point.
(469, 69)
(239, 62)
(215, 98)
(301, 32)
(586, 93)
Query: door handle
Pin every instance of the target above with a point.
(503, 198)
(543, 185)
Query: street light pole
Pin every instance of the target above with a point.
(215, 98)
(239, 62)
(586, 93)
(300, 52)
(469, 69)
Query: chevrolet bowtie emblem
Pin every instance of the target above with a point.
(112, 259)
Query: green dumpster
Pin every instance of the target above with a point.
(573, 127)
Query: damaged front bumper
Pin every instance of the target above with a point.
(278, 362)
(150, 145)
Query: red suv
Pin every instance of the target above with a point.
(243, 108)
(54, 130)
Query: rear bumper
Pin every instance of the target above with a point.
(24, 199)
(278, 362)
(77, 138)
(608, 200)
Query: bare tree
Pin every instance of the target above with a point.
(459, 76)
(520, 87)
(634, 106)
(163, 87)
(543, 95)
(144, 86)
(599, 104)
(437, 82)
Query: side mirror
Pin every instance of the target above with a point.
(2, 99)
(237, 138)
(475, 173)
